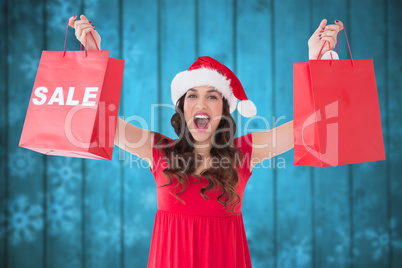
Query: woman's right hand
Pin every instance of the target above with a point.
(84, 27)
(324, 33)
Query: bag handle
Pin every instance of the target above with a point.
(86, 37)
(337, 47)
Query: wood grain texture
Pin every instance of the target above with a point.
(294, 203)
(3, 130)
(140, 93)
(26, 197)
(64, 175)
(393, 136)
(102, 191)
(254, 57)
(369, 180)
(68, 212)
(331, 192)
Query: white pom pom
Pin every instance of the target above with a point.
(247, 108)
(327, 55)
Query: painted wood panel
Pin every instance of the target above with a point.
(67, 212)
(392, 88)
(64, 176)
(254, 68)
(330, 189)
(26, 181)
(140, 93)
(103, 216)
(369, 181)
(294, 200)
(3, 131)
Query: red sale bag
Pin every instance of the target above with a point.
(336, 112)
(74, 104)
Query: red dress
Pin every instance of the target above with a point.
(200, 233)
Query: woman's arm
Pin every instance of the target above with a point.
(273, 142)
(270, 143)
(128, 137)
(134, 140)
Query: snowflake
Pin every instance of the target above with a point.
(15, 113)
(295, 253)
(148, 198)
(262, 249)
(29, 66)
(21, 163)
(24, 220)
(115, 190)
(108, 233)
(62, 212)
(108, 229)
(380, 239)
(132, 233)
(396, 239)
(91, 8)
(364, 203)
(64, 10)
(342, 248)
(65, 172)
(112, 235)
(135, 231)
(135, 54)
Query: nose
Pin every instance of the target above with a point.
(201, 104)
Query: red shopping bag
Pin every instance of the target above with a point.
(336, 113)
(74, 104)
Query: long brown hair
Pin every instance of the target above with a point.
(182, 160)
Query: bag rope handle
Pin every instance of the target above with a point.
(337, 47)
(86, 37)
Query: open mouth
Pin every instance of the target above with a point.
(201, 122)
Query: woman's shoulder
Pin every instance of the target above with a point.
(244, 142)
(161, 141)
(161, 147)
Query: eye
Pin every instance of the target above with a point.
(192, 95)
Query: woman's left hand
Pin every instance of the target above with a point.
(323, 33)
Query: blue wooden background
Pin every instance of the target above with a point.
(67, 212)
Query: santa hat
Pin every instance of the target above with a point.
(206, 71)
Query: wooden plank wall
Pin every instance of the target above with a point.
(67, 212)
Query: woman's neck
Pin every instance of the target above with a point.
(203, 148)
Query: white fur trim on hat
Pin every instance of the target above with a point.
(185, 80)
(247, 108)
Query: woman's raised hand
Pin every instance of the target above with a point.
(83, 27)
(323, 33)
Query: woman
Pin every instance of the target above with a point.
(201, 176)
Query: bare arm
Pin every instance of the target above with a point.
(270, 143)
(273, 142)
(134, 140)
(130, 138)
